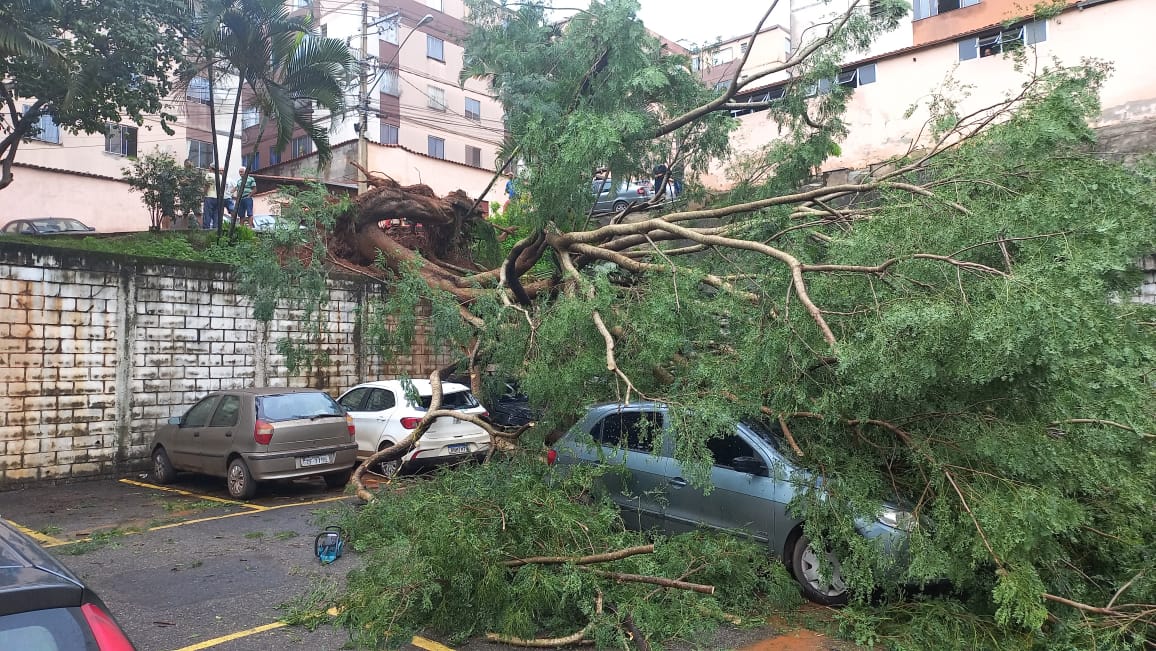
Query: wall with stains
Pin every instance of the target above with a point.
(96, 350)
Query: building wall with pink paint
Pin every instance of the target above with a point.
(103, 203)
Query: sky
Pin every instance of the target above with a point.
(695, 21)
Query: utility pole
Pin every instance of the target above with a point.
(363, 103)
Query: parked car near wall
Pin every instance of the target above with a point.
(45, 226)
(258, 434)
(753, 484)
(384, 414)
(45, 607)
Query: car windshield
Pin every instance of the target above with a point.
(451, 400)
(295, 406)
(769, 432)
(58, 225)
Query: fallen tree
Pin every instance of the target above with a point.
(953, 331)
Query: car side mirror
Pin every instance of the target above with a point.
(174, 420)
(750, 466)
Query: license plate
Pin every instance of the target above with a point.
(316, 460)
(459, 449)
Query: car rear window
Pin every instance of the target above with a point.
(296, 406)
(451, 400)
(52, 629)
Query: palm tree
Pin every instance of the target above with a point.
(279, 62)
(18, 41)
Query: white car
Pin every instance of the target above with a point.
(383, 415)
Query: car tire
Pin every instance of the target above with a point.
(620, 205)
(805, 565)
(240, 481)
(387, 469)
(163, 471)
(338, 479)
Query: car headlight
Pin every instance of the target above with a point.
(896, 519)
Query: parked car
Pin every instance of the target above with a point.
(45, 607)
(753, 484)
(512, 408)
(616, 199)
(45, 226)
(253, 435)
(384, 414)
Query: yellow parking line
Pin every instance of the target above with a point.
(420, 642)
(211, 498)
(208, 644)
(233, 515)
(428, 645)
(43, 539)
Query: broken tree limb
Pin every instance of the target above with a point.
(550, 642)
(582, 560)
(653, 580)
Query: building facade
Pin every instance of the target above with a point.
(964, 41)
(422, 124)
(60, 174)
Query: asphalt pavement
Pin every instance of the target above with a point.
(185, 568)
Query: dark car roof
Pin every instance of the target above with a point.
(268, 391)
(30, 578)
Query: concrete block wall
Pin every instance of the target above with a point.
(96, 350)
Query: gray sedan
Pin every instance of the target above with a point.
(253, 435)
(753, 484)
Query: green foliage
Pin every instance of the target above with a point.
(167, 188)
(434, 552)
(288, 270)
(86, 64)
(981, 371)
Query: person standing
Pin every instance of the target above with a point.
(211, 210)
(244, 194)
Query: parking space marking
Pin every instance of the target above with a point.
(233, 515)
(208, 644)
(419, 642)
(211, 498)
(428, 645)
(42, 538)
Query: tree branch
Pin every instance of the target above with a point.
(581, 560)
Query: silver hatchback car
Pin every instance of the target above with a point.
(753, 484)
(258, 434)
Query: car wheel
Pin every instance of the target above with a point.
(620, 205)
(163, 471)
(240, 481)
(338, 479)
(822, 582)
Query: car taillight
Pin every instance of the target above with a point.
(409, 422)
(642, 190)
(262, 433)
(349, 424)
(108, 635)
(551, 456)
(484, 414)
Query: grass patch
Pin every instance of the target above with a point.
(97, 540)
(285, 535)
(186, 506)
(255, 535)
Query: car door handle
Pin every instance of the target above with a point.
(196, 434)
(677, 482)
(228, 434)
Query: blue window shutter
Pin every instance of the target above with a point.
(1035, 32)
(867, 74)
(968, 49)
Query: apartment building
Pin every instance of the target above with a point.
(423, 125)
(964, 40)
(59, 174)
